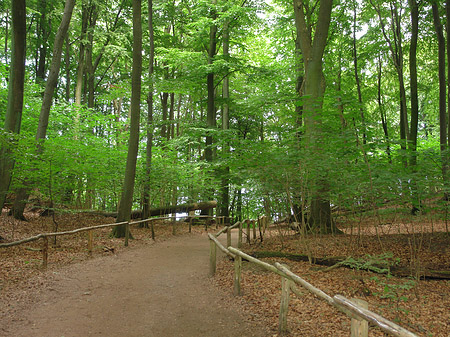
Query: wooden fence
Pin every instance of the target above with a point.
(355, 309)
(45, 236)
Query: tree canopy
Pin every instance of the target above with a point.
(276, 107)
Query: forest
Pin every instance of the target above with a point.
(280, 108)
(330, 118)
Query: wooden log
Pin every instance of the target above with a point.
(249, 258)
(223, 230)
(284, 304)
(237, 276)
(221, 247)
(381, 322)
(44, 252)
(360, 327)
(212, 257)
(165, 210)
(297, 279)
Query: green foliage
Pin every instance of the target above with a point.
(396, 292)
(379, 263)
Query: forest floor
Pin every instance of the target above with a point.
(149, 289)
(88, 294)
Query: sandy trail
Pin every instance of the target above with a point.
(157, 290)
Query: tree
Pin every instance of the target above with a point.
(52, 80)
(312, 94)
(149, 145)
(126, 201)
(442, 93)
(14, 108)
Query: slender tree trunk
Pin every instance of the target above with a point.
(170, 129)
(447, 178)
(396, 49)
(148, 162)
(211, 110)
(42, 41)
(358, 82)
(13, 117)
(50, 86)
(412, 141)
(81, 67)
(225, 181)
(126, 201)
(382, 112)
(165, 109)
(67, 68)
(442, 91)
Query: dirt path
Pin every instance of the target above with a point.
(159, 290)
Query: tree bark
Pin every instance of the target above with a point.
(13, 117)
(52, 80)
(126, 201)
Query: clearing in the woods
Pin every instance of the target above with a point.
(162, 288)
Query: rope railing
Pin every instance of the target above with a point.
(355, 309)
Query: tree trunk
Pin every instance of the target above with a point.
(148, 161)
(126, 201)
(211, 110)
(396, 50)
(313, 91)
(412, 142)
(382, 112)
(184, 208)
(225, 180)
(52, 80)
(164, 108)
(13, 117)
(42, 41)
(358, 82)
(442, 91)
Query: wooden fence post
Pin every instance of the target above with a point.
(44, 252)
(90, 241)
(237, 275)
(228, 237)
(212, 258)
(174, 223)
(248, 230)
(240, 235)
(254, 229)
(284, 305)
(359, 328)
